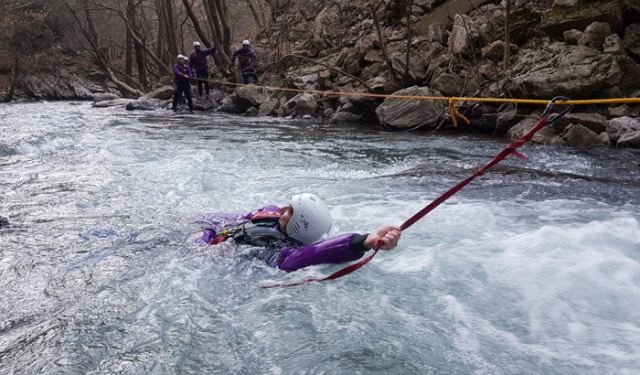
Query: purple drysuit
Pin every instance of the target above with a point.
(179, 71)
(198, 60)
(282, 251)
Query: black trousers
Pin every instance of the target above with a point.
(203, 83)
(182, 87)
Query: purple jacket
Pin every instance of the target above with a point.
(247, 58)
(292, 256)
(198, 60)
(179, 71)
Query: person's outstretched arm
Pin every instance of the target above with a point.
(340, 249)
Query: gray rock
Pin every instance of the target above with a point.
(205, 105)
(101, 97)
(572, 36)
(141, 104)
(495, 50)
(161, 93)
(328, 113)
(113, 103)
(620, 126)
(408, 114)
(245, 97)
(630, 139)
(595, 34)
(546, 135)
(302, 104)
(621, 111)
(343, 117)
(268, 107)
(573, 71)
(464, 35)
(227, 105)
(252, 111)
(565, 3)
(593, 121)
(582, 137)
(614, 45)
(632, 38)
(4, 222)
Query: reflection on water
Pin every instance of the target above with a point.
(534, 268)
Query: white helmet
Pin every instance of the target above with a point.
(246, 43)
(181, 57)
(196, 44)
(310, 220)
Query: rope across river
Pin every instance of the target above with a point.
(451, 100)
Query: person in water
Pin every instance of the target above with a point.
(291, 236)
(245, 59)
(198, 62)
(182, 75)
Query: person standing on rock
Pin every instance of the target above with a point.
(198, 62)
(182, 75)
(245, 59)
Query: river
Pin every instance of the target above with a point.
(532, 269)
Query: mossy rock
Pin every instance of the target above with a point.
(559, 19)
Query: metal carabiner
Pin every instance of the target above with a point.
(551, 105)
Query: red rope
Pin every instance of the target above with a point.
(508, 150)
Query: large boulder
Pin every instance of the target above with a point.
(102, 96)
(464, 35)
(245, 97)
(302, 104)
(618, 128)
(632, 38)
(573, 71)
(595, 34)
(113, 103)
(614, 45)
(631, 139)
(546, 135)
(582, 137)
(161, 93)
(593, 121)
(579, 15)
(409, 114)
(142, 104)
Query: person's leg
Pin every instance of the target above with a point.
(200, 84)
(245, 77)
(206, 84)
(177, 92)
(187, 94)
(255, 77)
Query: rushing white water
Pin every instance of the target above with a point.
(533, 269)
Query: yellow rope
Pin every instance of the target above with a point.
(455, 114)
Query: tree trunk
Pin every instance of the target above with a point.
(16, 74)
(383, 43)
(507, 35)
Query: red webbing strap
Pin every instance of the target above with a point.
(509, 149)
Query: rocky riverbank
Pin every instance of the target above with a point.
(575, 48)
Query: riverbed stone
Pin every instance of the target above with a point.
(546, 135)
(161, 93)
(576, 135)
(575, 71)
(614, 45)
(245, 97)
(594, 121)
(632, 38)
(595, 34)
(142, 104)
(102, 96)
(113, 103)
(620, 126)
(630, 139)
(408, 114)
(302, 104)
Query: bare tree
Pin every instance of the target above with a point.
(507, 35)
